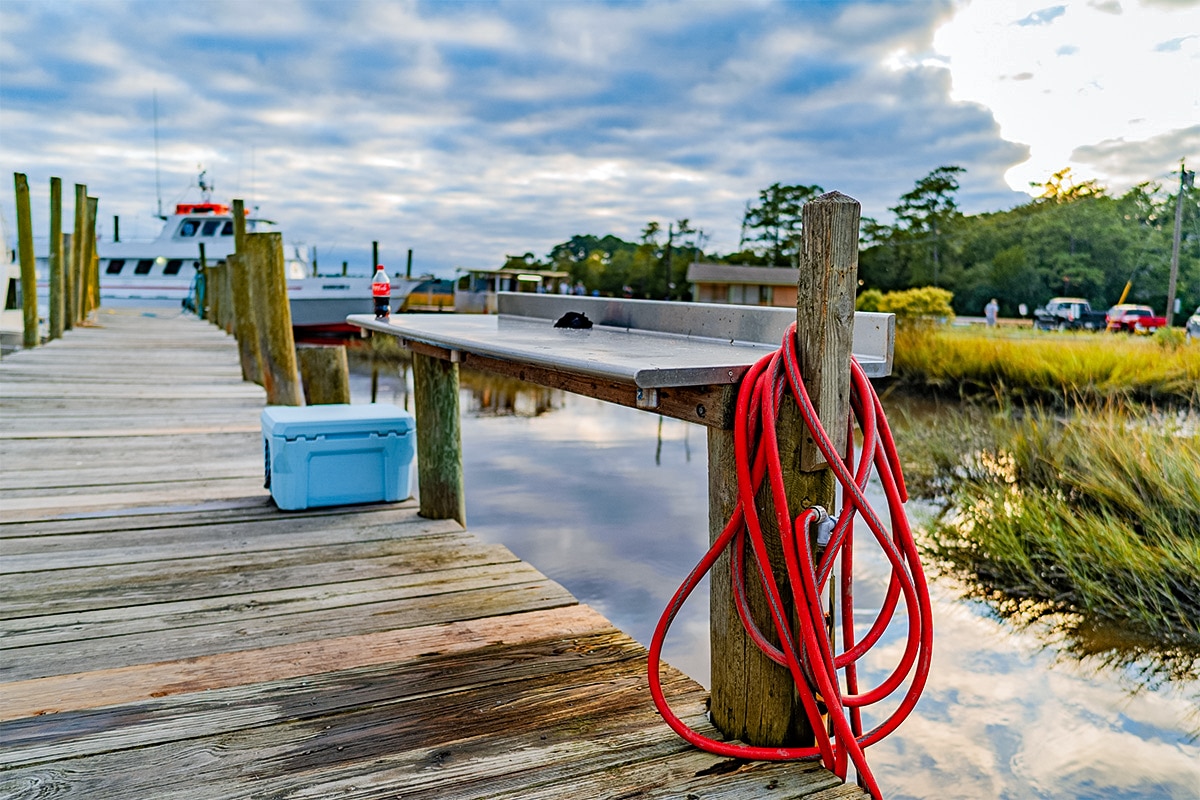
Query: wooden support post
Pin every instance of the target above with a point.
(439, 439)
(245, 317)
(281, 376)
(753, 699)
(325, 371)
(29, 310)
(91, 282)
(57, 300)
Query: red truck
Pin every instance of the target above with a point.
(1134, 319)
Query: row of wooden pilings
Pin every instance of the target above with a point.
(73, 265)
(246, 296)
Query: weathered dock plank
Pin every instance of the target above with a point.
(166, 632)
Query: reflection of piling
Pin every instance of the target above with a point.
(25, 254)
(55, 261)
(754, 699)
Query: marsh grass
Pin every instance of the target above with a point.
(1027, 366)
(1098, 515)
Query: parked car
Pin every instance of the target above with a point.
(1134, 319)
(1068, 313)
(1193, 326)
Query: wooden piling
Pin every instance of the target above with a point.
(77, 253)
(212, 288)
(202, 286)
(229, 318)
(55, 261)
(91, 282)
(753, 699)
(68, 287)
(29, 313)
(246, 323)
(239, 224)
(439, 439)
(325, 372)
(281, 376)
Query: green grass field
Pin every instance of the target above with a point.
(1027, 366)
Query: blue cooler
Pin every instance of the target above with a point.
(331, 455)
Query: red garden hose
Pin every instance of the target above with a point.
(808, 653)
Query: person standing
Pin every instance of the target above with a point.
(990, 311)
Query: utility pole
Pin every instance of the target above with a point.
(1186, 181)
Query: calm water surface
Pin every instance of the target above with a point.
(612, 503)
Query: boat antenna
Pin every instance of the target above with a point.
(205, 187)
(157, 182)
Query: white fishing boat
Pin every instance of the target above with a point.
(167, 268)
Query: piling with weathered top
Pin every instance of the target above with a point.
(754, 699)
(29, 313)
(325, 373)
(55, 261)
(263, 253)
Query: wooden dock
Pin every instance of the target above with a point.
(167, 633)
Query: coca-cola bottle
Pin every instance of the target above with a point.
(381, 293)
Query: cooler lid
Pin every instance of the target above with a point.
(310, 421)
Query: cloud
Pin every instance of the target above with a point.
(1130, 162)
(1077, 83)
(468, 130)
(1042, 17)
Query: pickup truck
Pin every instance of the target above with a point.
(1134, 319)
(1068, 314)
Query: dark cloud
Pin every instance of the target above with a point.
(1129, 162)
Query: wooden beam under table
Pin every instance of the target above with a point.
(711, 406)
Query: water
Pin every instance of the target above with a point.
(612, 503)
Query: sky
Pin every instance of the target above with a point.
(468, 131)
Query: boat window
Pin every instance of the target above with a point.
(143, 266)
(173, 266)
(115, 265)
(227, 228)
(189, 227)
(210, 227)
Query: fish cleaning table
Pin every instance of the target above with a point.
(677, 359)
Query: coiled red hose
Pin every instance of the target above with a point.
(807, 652)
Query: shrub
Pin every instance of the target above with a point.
(870, 300)
(920, 307)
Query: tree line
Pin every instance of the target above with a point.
(1072, 239)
